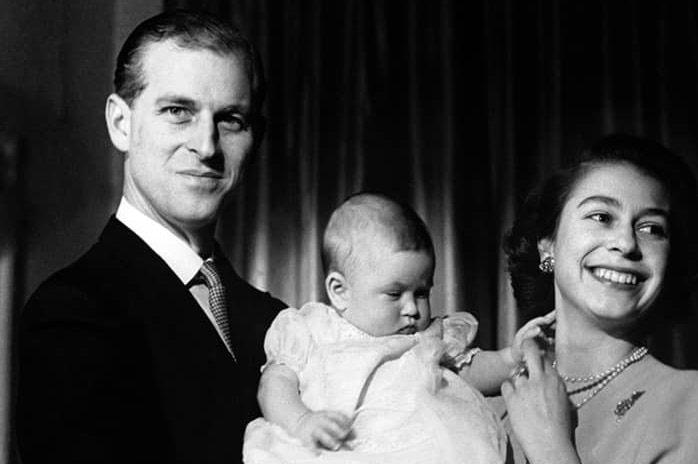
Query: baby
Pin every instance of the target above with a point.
(373, 379)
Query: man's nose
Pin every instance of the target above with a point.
(204, 139)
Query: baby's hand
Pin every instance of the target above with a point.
(532, 329)
(323, 429)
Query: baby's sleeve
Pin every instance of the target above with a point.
(288, 341)
(459, 331)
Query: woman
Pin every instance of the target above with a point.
(611, 245)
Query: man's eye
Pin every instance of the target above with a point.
(176, 113)
(234, 123)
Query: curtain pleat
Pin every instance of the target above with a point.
(458, 108)
(500, 111)
(414, 131)
(451, 277)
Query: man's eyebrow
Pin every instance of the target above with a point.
(236, 108)
(175, 99)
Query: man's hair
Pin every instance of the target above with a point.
(192, 30)
(370, 216)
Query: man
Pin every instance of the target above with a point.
(148, 348)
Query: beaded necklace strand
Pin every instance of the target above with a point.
(599, 381)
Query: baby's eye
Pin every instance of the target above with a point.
(394, 295)
(423, 294)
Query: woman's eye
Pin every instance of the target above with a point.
(600, 217)
(654, 229)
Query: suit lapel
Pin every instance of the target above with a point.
(161, 300)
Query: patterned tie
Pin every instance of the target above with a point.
(216, 300)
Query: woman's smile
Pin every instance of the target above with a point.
(610, 227)
(608, 275)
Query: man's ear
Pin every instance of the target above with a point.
(545, 248)
(118, 117)
(337, 290)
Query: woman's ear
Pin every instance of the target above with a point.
(337, 290)
(118, 117)
(545, 248)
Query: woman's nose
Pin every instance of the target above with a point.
(624, 240)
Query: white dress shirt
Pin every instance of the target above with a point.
(176, 253)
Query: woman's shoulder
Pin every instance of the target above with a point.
(671, 378)
(674, 393)
(670, 419)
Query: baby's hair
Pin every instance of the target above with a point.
(368, 216)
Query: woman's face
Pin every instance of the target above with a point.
(611, 245)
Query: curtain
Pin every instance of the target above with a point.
(458, 108)
(10, 245)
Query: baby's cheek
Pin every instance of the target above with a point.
(423, 323)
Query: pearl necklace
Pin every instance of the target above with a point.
(599, 381)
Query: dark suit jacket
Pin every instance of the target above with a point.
(118, 362)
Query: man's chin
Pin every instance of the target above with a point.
(196, 219)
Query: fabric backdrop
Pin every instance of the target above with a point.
(457, 108)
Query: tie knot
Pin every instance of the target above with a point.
(210, 274)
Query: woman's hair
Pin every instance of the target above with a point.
(539, 218)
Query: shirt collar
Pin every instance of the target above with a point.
(179, 256)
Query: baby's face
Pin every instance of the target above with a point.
(389, 292)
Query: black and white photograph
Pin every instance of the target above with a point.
(349, 231)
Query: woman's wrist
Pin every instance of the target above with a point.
(565, 454)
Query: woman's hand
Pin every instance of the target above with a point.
(323, 429)
(539, 410)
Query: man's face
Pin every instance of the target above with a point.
(190, 131)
